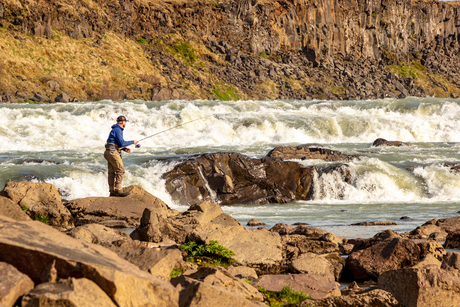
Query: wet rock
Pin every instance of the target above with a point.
(129, 209)
(425, 286)
(405, 218)
(41, 201)
(63, 97)
(232, 178)
(377, 223)
(307, 152)
(71, 292)
(316, 286)
(255, 222)
(98, 234)
(12, 210)
(375, 297)
(383, 142)
(33, 246)
(13, 284)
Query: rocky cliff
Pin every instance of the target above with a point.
(228, 49)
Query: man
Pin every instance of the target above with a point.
(115, 144)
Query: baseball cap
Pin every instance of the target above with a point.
(121, 118)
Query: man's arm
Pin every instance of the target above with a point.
(120, 141)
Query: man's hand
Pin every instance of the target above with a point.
(128, 150)
(135, 142)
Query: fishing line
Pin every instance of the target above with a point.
(138, 145)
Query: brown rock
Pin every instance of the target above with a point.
(387, 255)
(41, 200)
(53, 85)
(243, 272)
(377, 223)
(425, 231)
(310, 263)
(282, 229)
(381, 236)
(194, 293)
(13, 284)
(449, 225)
(255, 222)
(129, 209)
(383, 142)
(423, 287)
(305, 245)
(307, 152)
(63, 97)
(431, 247)
(72, 292)
(453, 240)
(375, 298)
(316, 286)
(451, 261)
(12, 210)
(33, 246)
(98, 234)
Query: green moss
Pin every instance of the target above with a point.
(176, 272)
(208, 255)
(286, 296)
(43, 219)
(184, 51)
(143, 41)
(24, 208)
(226, 94)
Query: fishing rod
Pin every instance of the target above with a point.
(139, 146)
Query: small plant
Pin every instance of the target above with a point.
(185, 51)
(142, 41)
(226, 95)
(211, 254)
(263, 54)
(24, 208)
(176, 272)
(286, 296)
(43, 219)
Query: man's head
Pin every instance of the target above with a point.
(121, 120)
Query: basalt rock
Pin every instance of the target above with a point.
(383, 142)
(232, 178)
(377, 223)
(307, 152)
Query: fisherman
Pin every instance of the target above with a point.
(115, 144)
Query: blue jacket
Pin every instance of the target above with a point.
(116, 137)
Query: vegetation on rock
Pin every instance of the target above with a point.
(208, 255)
(285, 296)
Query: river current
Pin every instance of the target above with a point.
(63, 144)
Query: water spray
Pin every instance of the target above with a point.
(139, 145)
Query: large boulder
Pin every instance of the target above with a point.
(98, 209)
(449, 225)
(233, 178)
(427, 231)
(98, 234)
(423, 286)
(373, 298)
(13, 284)
(80, 292)
(382, 142)
(311, 284)
(307, 152)
(12, 210)
(453, 240)
(41, 201)
(42, 252)
(393, 254)
(310, 263)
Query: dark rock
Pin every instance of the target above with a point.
(22, 95)
(38, 97)
(377, 223)
(453, 240)
(383, 142)
(306, 152)
(63, 97)
(282, 229)
(375, 297)
(254, 222)
(405, 218)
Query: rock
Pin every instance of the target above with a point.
(243, 272)
(53, 85)
(39, 97)
(41, 200)
(71, 292)
(451, 261)
(232, 178)
(449, 225)
(310, 263)
(375, 297)
(220, 277)
(282, 229)
(307, 152)
(22, 95)
(34, 246)
(431, 247)
(194, 293)
(453, 240)
(383, 142)
(428, 260)
(425, 231)
(98, 234)
(166, 94)
(316, 286)
(129, 209)
(422, 287)
(380, 237)
(63, 97)
(13, 284)
(12, 210)
(152, 258)
(254, 222)
(387, 255)
(305, 245)
(377, 223)
(351, 289)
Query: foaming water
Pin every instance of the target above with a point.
(63, 144)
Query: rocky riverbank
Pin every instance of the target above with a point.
(61, 253)
(65, 51)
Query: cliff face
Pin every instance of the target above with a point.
(232, 49)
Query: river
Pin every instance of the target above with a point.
(63, 144)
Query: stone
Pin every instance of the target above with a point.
(255, 222)
(12, 210)
(39, 97)
(449, 225)
(22, 95)
(423, 286)
(377, 223)
(98, 234)
(129, 209)
(13, 284)
(393, 254)
(41, 201)
(310, 263)
(39, 250)
(431, 247)
(72, 292)
(453, 240)
(307, 152)
(243, 272)
(375, 297)
(53, 85)
(383, 142)
(282, 229)
(194, 293)
(425, 231)
(451, 261)
(316, 286)
(63, 97)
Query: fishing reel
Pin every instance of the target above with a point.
(138, 146)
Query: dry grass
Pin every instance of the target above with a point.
(79, 65)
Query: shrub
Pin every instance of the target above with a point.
(284, 297)
(43, 219)
(212, 254)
